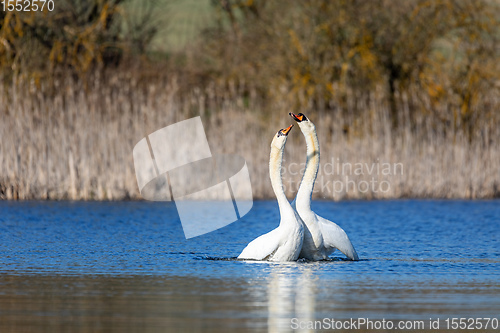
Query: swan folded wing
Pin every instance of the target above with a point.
(262, 247)
(335, 237)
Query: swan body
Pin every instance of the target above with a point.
(321, 236)
(285, 242)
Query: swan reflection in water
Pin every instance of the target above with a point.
(290, 294)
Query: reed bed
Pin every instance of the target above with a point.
(76, 142)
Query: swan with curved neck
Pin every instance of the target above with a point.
(321, 236)
(285, 242)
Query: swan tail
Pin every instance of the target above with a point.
(335, 237)
(261, 248)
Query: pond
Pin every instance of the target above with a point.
(126, 266)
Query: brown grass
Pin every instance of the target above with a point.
(78, 143)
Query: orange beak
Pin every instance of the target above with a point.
(295, 117)
(286, 130)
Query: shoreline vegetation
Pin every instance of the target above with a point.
(401, 110)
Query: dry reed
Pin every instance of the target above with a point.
(77, 143)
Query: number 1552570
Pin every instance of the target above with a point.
(26, 5)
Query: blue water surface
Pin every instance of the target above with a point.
(420, 259)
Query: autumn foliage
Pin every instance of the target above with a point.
(316, 53)
(414, 82)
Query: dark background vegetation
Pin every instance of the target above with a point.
(413, 82)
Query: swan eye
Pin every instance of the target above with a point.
(302, 117)
(285, 131)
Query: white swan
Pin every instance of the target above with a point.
(285, 242)
(321, 236)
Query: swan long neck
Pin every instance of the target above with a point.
(304, 195)
(275, 162)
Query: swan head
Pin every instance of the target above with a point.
(279, 139)
(306, 126)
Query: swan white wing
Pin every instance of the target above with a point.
(262, 247)
(335, 237)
